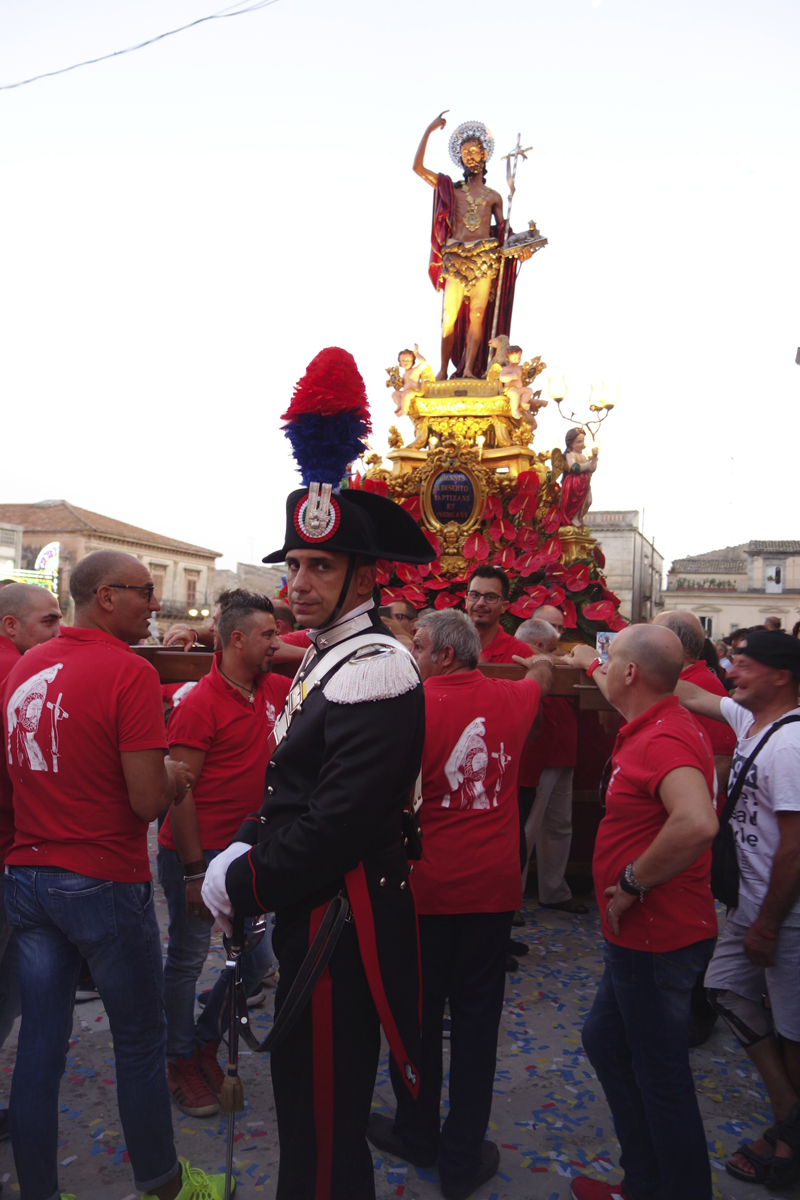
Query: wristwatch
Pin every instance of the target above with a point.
(630, 884)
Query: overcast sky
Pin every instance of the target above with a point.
(183, 228)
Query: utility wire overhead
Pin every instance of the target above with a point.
(238, 11)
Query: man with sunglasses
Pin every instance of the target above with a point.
(85, 747)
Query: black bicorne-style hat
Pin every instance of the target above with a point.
(356, 522)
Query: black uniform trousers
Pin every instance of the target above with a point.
(323, 1074)
(463, 959)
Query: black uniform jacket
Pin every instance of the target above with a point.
(336, 788)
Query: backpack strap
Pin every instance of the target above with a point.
(736, 790)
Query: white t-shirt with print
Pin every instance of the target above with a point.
(773, 786)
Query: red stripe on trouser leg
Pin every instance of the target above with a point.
(322, 1058)
(356, 883)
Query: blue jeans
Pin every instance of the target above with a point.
(189, 942)
(60, 917)
(9, 972)
(637, 1039)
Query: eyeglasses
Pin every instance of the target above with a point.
(490, 598)
(146, 588)
(402, 617)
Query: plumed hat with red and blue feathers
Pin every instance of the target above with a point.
(327, 423)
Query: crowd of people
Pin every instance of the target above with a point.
(364, 755)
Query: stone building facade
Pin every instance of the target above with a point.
(183, 573)
(738, 586)
(634, 568)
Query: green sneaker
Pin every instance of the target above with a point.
(196, 1185)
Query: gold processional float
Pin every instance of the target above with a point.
(470, 474)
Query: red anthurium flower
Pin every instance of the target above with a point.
(476, 546)
(526, 564)
(599, 557)
(527, 481)
(412, 505)
(407, 572)
(436, 585)
(504, 559)
(423, 570)
(492, 508)
(601, 610)
(435, 567)
(537, 594)
(551, 551)
(390, 594)
(555, 595)
(607, 595)
(446, 600)
(577, 578)
(524, 607)
(616, 623)
(552, 521)
(555, 573)
(525, 504)
(530, 540)
(503, 530)
(570, 615)
(414, 593)
(376, 485)
(434, 541)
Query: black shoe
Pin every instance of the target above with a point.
(380, 1131)
(486, 1168)
(700, 1029)
(512, 966)
(518, 920)
(5, 1132)
(517, 948)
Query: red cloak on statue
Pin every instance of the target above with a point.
(441, 230)
(574, 489)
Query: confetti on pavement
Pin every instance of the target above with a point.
(549, 1116)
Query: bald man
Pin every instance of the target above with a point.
(722, 740)
(86, 748)
(651, 868)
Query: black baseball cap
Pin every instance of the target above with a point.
(774, 649)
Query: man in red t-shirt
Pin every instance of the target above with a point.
(722, 740)
(651, 868)
(466, 887)
(552, 760)
(29, 615)
(222, 731)
(488, 591)
(721, 737)
(85, 748)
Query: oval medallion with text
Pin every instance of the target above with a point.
(452, 497)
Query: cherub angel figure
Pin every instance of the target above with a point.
(524, 402)
(415, 369)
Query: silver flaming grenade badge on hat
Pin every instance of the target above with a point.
(316, 517)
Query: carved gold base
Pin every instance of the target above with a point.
(503, 460)
(576, 543)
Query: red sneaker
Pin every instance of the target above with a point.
(584, 1188)
(209, 1068)
(189, 1090)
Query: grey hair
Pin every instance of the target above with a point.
(688, 630)
(452, 628)
(535, 630)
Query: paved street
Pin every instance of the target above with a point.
(549, 1115)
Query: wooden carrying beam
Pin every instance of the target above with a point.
(178, 666)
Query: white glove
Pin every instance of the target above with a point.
(214, 895)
